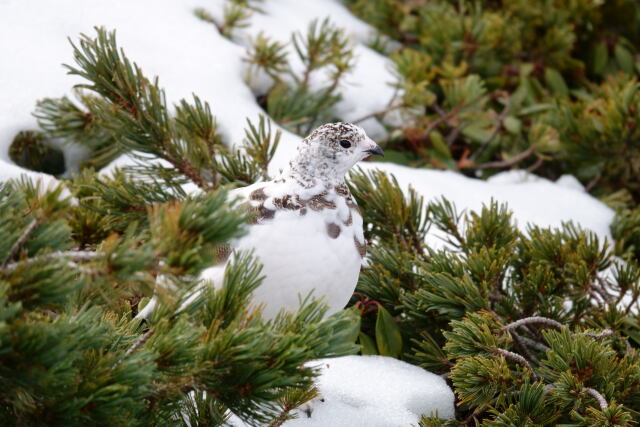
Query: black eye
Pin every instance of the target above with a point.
(345, 143)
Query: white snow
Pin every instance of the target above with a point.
(532, 199)
(189, 56)
(371, 391)
(375, 391)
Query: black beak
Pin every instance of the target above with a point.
(377, 150)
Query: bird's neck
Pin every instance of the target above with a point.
(311, 171)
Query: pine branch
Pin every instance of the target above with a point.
(137, 112)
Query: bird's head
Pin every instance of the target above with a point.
(327, 154)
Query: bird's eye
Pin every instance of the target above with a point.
(345, 143)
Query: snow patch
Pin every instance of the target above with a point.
(375, 391)
(371, 391)
(532, 199)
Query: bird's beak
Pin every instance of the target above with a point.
(374, 149)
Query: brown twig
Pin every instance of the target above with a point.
(533, 343)
(190, 172)
(76, 255)
(18, 243)
(604, 334)
(593, 182)
(379, 112)
(136, 345)
(444, 117)
(496, 130)
(602, 286)
(536, 165)
(519, 342)
(509, 162)
(451, 137)
(599, 398)
(516, 358)
(533, 319)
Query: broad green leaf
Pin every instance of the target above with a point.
(388, 337)
(513, 125)
(533, 109)
(556, 82)
(600, 58)
(367, 346)
(477, 132)
(437, 141)
(624, 59)
(354, 327)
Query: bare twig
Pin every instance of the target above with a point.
(634, 299)
(379, 113)
(136, 345)
(601, 288)
(596, 395)
(18, 243)
(627, 346)
(496, 130)
(76, 255)
(438, 109)
(83, 269)
(507, 163)
(472, 416)
(533, 319)
(536, 165)
(451, 137)
(604, 334)
(444, 117)
(519, 342)
(533, 343)
(594, 181)
(189, 171)
(516, 358)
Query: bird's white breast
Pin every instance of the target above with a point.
(304, 251)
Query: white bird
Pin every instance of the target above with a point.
(307, 232)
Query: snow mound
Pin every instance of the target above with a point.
(532, 199)
(374, 391)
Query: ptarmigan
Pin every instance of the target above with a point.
(307, 231)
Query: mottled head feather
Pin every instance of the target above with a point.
(327, 154)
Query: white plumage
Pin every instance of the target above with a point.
(307, 232)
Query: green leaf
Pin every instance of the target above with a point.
(600, 58)
(439, 145)
(624, 59)
(367, 346)
(513, 125)
(556, 82)
(388, 337)
(352, 332)
(535, 108)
